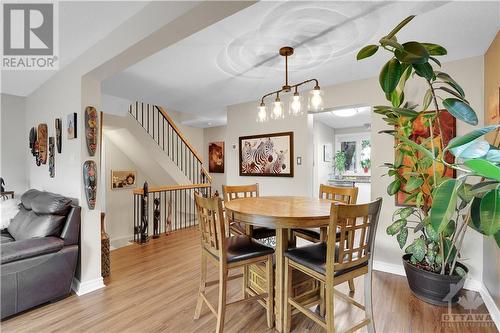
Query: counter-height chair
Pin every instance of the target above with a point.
(245, 191)
(228, 253)
(333, 263)
(345, 195)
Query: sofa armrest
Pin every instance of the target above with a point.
(28, 248)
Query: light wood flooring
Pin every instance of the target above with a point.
(153, 288)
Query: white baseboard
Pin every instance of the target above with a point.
(82, 288)
(490, 305)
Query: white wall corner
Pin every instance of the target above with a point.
(490, 305)
(82, 288)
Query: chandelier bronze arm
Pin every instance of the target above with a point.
(288, 88)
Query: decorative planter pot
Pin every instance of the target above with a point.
(431, 287)
(366, 170)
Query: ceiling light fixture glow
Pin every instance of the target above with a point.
(345, 112)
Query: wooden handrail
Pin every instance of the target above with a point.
(179, 133)
(166, 188)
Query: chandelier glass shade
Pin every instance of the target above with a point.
(296, 104)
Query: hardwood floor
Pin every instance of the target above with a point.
(153, 288)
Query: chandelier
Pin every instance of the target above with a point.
(296, 103)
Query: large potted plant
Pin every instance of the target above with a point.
(441, 207)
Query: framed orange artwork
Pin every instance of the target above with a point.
(420, 134)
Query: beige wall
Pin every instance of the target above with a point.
(322, 135)
(14, 143)
(491, 252)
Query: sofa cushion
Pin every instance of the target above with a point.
(50, 203)
(28, 224)
(30, 248)
(27, 197)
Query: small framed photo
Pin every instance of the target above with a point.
(71, 126)
(123, 179)
(216, 157)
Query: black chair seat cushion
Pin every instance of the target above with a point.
(314, 257)
(257, 232)
(243, 247)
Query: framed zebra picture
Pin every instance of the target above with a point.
(269, 155)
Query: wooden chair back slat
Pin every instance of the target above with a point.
(346, 195)
(357, 225)
(240, 191)
(211, 224)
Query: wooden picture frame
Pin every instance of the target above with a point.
(123, 179)
(266, 155)
(216, 157)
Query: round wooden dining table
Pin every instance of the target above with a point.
(281, 213)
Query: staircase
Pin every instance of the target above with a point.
(162, 209)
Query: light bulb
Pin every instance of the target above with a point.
(277, 109)
(316, 100)
(262, 114)
(295, 105)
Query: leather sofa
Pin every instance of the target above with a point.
(39, 251)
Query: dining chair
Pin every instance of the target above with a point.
(245, 191)
(228, 253)
(345, 195)
(334, 262)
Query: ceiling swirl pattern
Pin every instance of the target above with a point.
(319, 32)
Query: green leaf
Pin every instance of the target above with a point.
(460, 110)
(413, 183)
(402, 237)
(480, 188)
(413, 53)
(393, 187)
(444, 201)
(450, 229)
(405, 212)
(493, 156)
(431, 233)
(475, 218)
(406, 112)
(419, 249)
(424, 70)
(497, 238)
(435, 61)
(391, 42)
(400, 26)
(434, 49)
(395, 227)
(460, 271)
(484, 168)
(474, 149)
(489, 212)
(389, 76)
(452, 92)
(448, 246)
(414, 145)
(427, 99)
(446, 78)
(471, 136)
(367, 51)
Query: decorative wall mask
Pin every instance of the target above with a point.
(33, 144)
(71, 126)
(90, 182)
(52, 152)
(91, 129)
(42, 144)
(58, 124)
